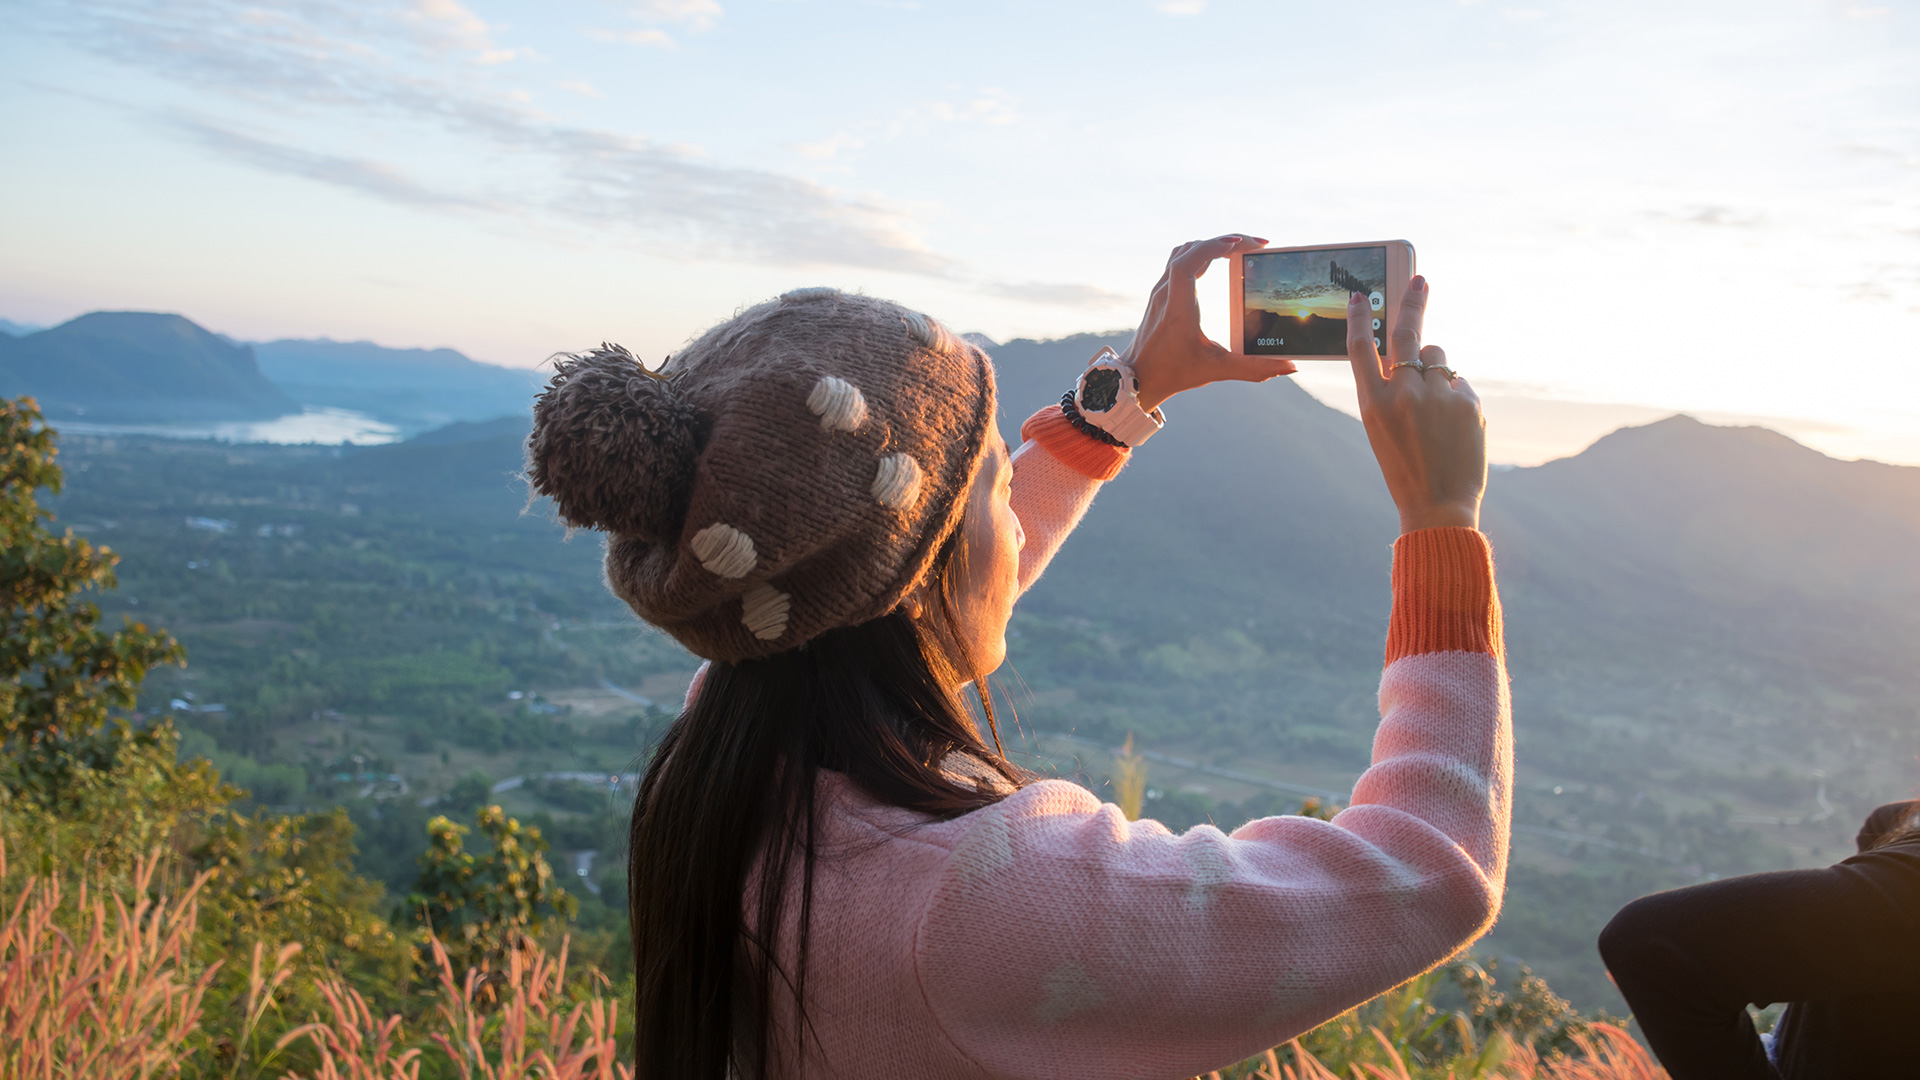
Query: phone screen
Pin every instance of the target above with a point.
(1296, 301)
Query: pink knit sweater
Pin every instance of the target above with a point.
(1047, 936)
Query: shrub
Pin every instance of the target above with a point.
(485, 904)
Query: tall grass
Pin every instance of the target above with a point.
(108, 994)
(94, 984)
(516, 1024)
(351, 1044)
(1601, 1052)
(1604, 1053)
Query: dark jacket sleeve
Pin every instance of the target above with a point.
(1883, 821)
(1689, 961)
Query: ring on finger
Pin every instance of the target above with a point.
(1451, 374)
(1414, 364)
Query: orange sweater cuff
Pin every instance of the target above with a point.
(1074, 448)
(1444, 599)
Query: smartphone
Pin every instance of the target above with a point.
(1291, 302)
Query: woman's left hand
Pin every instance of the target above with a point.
(1168, 353)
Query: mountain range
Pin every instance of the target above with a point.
(143, 367)
(412, 388)
(132, 365)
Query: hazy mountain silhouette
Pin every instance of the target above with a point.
(141, 366)
(1738, 534)
(415, 388)
(505, 430)
(1735, 538)
(146, 367)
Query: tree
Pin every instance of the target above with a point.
(482, 906)
(64, 679)
(66, 683)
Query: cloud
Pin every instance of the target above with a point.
(357, 174)
(991, 106)
(448, 16)
(504, 56)
(1715, 215)
(1854, 11)
(583, 88)
(1180, 7)
(695, 15)
(830, 147)
(658, 39)
(1055, 294)
(399, 71)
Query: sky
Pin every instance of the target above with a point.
(1625, 208)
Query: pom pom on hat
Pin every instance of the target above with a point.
(793, 470)
(613, 445)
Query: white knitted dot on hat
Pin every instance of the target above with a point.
(928, 332)
(724, 550)
(838, 403)
(897, 481)
(763, 609)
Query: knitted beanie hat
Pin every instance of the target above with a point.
(794, 470)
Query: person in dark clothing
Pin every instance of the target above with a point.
(1841, 946)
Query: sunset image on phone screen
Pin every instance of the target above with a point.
(1296, 301)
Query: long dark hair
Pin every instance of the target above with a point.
(733, 782)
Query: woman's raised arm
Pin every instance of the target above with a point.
(1058, 468)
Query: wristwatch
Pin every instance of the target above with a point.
(1108, 397)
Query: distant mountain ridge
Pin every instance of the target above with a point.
(417, 389)
(1738, 539)
(135, 365)
(145, 367)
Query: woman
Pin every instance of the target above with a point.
(833, 870)
(1841, 945)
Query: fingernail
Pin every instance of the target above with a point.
(1419, 281)
(1355, 298)
(1233, 239)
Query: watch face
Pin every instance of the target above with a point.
(1100, 390)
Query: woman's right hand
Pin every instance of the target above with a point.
(1425, 424)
